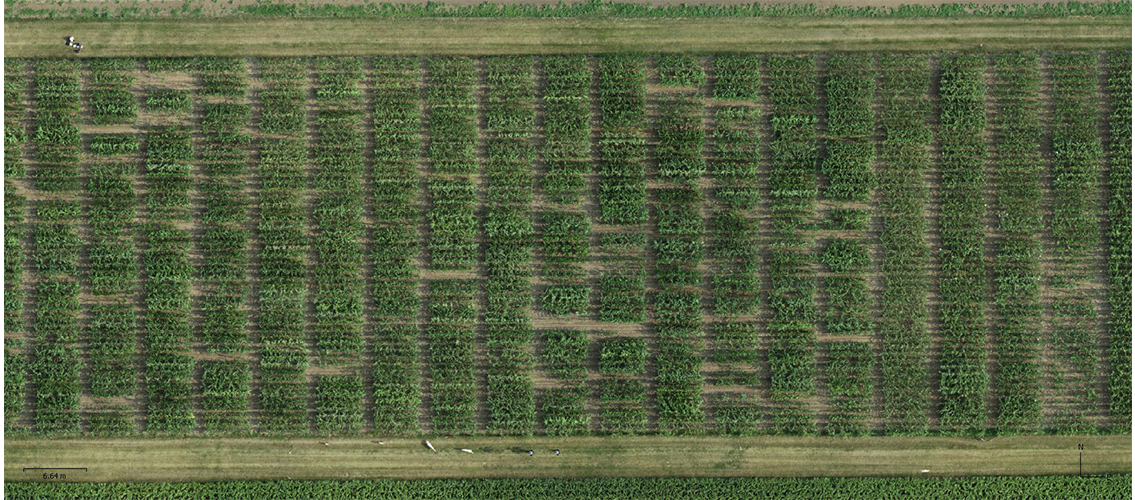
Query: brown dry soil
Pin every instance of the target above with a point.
(357, 458)
(286, 37)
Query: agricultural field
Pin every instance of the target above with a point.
(730, 250)
(568, 245)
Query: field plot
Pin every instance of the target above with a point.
(568, 245)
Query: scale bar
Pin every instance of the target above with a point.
(54, 468)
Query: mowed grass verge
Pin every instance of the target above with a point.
(169, 460)
(312, 37)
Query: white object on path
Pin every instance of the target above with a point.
(925, 471)
(430, 446)
(466, 450)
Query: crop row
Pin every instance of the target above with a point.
(622, 146)
(224, 395)
(849, 371)
(451, 153)
(54, 369)
(566, 246)
(110, 349)
(15, 221)
(56, 137)
(621, 191)
(508, 240)
(110, 248)
(567, 127)
(1077, 161)
(16, 363)
(222, 154)
(622, 391)
(679, 249)
(168, 369)
(903, 158)
(681, 138)
(222, 76)
(679, 71)
(1017, 138)
(737, 77)
(111, 253)
(1119, 238)
(397, 121)
(564, 354)
(283, 99)
(850, 88)
(223, 157)
(564, 410)
(734, 413)
(451, 333)
(735, 348)
(622, 202)
(282, 297)
(110, 99)
(338, 156)
(16, 374)
(15, 130)
(961, 284)
(565, 238)
(735, 285)
(338, 403)
(160, 100)
(55, 363)
(792, 190)
(736, 153)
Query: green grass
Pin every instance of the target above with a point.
(288, 37)
(216, 459)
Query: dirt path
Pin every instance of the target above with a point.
(282, 37)
(223, 459)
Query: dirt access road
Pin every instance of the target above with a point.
(155, 459)
(43, 9)
(290, 37)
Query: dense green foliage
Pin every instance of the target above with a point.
(567, 245)
(282, 226)
(509, 111)
(397, 119)
(849, 374)
(1119, 238)
(1041, 487)
(339, 164)
(1076, 172)
(792, 192)
(452, 341)
(961, 285)
(1017, 132)
(903, 158)
(223, 244)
